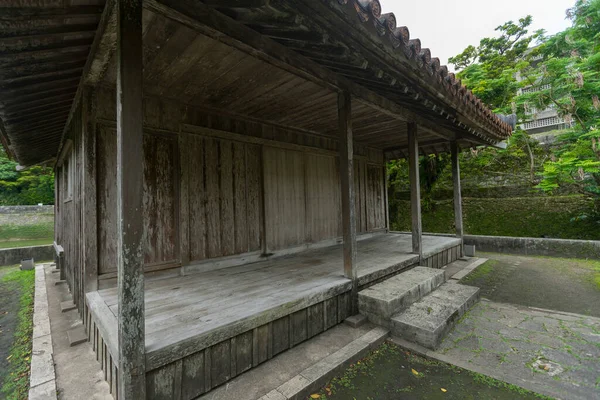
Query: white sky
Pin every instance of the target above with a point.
(446, 27)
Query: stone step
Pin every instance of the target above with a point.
(381, 301)
(427, 321)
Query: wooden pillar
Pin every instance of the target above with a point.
(458, 221)
(348, 206)
(130, 177)
(415, 190)
(90, 225)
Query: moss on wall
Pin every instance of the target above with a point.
(548, 216)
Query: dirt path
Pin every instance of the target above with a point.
(9, 307)
(552, 283)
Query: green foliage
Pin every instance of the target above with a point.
(16, 385)
(488, 70)
(32, 186)
(549, 216)
(570, 75)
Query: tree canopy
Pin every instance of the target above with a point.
(32, 186)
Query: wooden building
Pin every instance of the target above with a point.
(220, 169)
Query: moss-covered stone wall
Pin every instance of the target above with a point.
(548, 216)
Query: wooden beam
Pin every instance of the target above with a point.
(347, 178)
(99, 55)
(415, 190)
(458, 220)
(218, 26)
(28, 13)
(90, 227)
(130, 188)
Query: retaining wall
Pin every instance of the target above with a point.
(15, 255)
(536, 246)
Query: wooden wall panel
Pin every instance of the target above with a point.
(284, 197)
(323, 201)
(161, 199)
(107, 199)
(254, 206)
(225, 197)
(375, 197)
(194, 146)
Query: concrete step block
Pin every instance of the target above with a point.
(67, 306)
(77, 336)
(427, 321)
(381, 301)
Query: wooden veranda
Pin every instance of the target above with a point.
(213, 158)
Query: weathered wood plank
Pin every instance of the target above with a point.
(316, 319)
(226, 198)
(240, 200)
(261, 344)
(192, 382)
(347, 178)
(323, 203)
(160, 194)
(415, 189)
(330, 312)
(254, 195)
(243, 352)
(213, 209)
(280, 335)
(458, 221)
(130, 174)
(284, 198)
(299, 328)
(220, 369)
(197, 197)
(183, 216)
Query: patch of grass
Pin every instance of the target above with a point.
(25, 243)
(481, 272)
(26, 231)
(16, 384)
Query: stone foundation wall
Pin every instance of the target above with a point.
(15, 255)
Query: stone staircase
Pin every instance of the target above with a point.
(417, 305)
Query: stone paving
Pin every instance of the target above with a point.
(556, 353)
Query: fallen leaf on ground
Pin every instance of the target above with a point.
(415, 372)
(315, 396)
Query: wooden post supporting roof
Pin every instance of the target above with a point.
(130, 177)
(415, 190)
(458, 221)
(90, 223)
(348, 208)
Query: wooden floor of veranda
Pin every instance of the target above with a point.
(211, 304)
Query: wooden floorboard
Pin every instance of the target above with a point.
(204, 305)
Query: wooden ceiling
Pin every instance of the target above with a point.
(44, 46)
(188, 67)
(205, 53)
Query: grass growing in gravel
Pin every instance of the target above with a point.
(16, 384)
(391, 372)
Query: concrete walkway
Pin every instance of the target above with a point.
(552, 353)
(78, 374)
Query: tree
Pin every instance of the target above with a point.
(32, 186)
(565, 71)
(488, 69)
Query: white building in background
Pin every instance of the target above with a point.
(539, 121)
